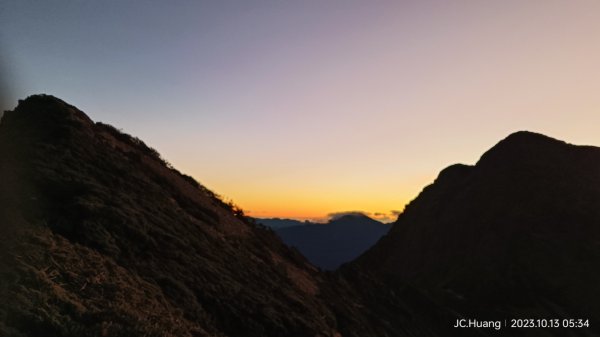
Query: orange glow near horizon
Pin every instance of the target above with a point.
(303, 202)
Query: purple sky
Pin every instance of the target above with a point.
(306, 108)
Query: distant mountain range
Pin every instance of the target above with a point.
(328, 245)
(278, 223)
(100, 236)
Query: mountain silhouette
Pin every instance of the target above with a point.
(338, 241)
(515, 236)
(102, 237)
(278, 223)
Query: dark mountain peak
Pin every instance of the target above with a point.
(43, 99)
(526, 136)
(517, 148)
(110, 239)
(523, 146)
(349, 217)
(502, 232)
(453, 173)
(278, 223)
(45, 116)
(49, 107)
(338, 241)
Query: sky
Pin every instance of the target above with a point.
(305, 108)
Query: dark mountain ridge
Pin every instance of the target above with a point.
(517, 235)
(338, 241)
(278, 223)
(101, 237)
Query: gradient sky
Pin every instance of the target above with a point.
(303, 108)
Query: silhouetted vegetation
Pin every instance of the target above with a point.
(144, 149)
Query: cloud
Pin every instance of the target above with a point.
(385, 217)
(337, 215)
